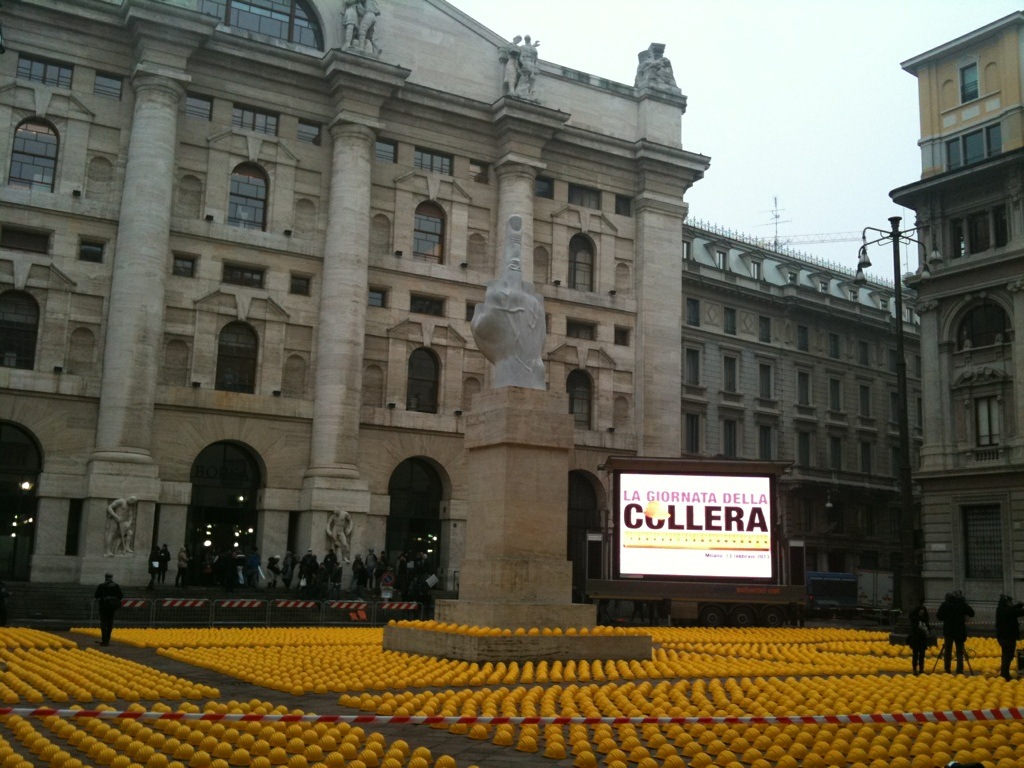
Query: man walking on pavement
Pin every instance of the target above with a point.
(109, 596)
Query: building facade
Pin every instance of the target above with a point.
(240, 253)
(968, 206)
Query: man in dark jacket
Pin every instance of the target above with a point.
(1007, 631)
(953, 614)
(108, 595)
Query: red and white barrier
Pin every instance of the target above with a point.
(347, 605)
(134, 602)
(398, 606)
(296, 604)
(240, 603)
(175, 602)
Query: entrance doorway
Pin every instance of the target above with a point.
(584, 521)
(414, 521)
(226, 479)
(20, 464)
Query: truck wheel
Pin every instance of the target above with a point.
(743, 616)
(712, 616)
(774, 617)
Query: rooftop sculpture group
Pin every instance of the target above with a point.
(359, 22)
(519, 59)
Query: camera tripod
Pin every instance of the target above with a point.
(942, 655)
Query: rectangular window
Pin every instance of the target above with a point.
(730, 438)
(721, 259)
(765, 388)
(866, 451)
(957, 238)
(30, 240)
(108, 85)
(894, 360)
(803, 338)
(385, 151)
(993, 140)
(729, 321)
(917, 366)
(377, 297)
(199, 107)
(973, 147)
(692, 367)
(251, 277)
(1000, 226)
(803, 388)
(730, 373)
(987, 421)
(977, 232)
(835, 454)
(544, 186)
(764, 329)
(252, 119)
(479, 171)
(588, 197)
(692, 433)
(623, 205)
(72, 535)
(53, 73)
(863, 353)
(833, 346)
(693, 312)
(894, 407)
(470, 310)
(954, 159)
(865, 400)
(765, 442)
(309, 132)
(755, 270)
(687, 247)
(578, 330)
(968, 83)
(183, 266)
(793, 277)
(983, 541)
(429, 160)
(300, 285)
(426, 305)
(621, 336)
(835, 395)
(91, 250)
(803, 449)
(823, 286)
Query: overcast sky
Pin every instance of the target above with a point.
(802, 102)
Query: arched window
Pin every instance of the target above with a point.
(34, 156)
(247, 203)
(19, 322)
(291, 20)
(581, 263)
(421, 388)
(236, 358)
(428, 233)
(983, 326)
(579, 388)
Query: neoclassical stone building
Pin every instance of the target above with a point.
(240, 253)
(968, 204)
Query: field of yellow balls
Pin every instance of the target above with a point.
(693, 673)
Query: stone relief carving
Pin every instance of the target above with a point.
(509, 325)
(119, 535)
(359, 23)
(654, 70)
(339, 534)
(519, 64)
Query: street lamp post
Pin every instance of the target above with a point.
(911, 591)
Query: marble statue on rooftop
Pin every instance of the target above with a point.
(509, 325)
(519, 62)
(339, 534)
(359, 24)
(119, 535)
(654, 70)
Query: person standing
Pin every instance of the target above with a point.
(1007, 631)
(108, 596)
(181, 577)
(953, 613)
(165, 562)
(154, 567)
(288, 568)
(917, 638)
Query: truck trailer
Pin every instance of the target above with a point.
(698, 538)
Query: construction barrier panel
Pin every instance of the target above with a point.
(182, 612)
(247, 611)
(287, 613)
(135, 612)
(347, 612)
(386, 610)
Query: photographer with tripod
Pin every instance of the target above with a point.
(953, 614)
(1008, 632)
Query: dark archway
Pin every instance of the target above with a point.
(226, 479)
(21, 461)
(414, 521)
(583, 523)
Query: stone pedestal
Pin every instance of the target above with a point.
(515, 573)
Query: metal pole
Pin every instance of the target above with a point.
(910, 591)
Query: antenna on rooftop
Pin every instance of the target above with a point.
(776, 213)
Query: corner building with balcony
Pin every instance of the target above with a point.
(239, 257)
(971, 301)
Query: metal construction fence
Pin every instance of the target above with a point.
(248, 611)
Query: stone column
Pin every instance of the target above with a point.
(135, 315)
(516, 181)
(938, 428)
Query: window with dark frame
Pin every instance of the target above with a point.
(309, 133)
(109, 86)
(34, 156)
(834, 350)
(544, 186)
(293, 21)
(300, 285)
(47, 72)
(835, 453)
(588, 197)
(983, 541)
(803, 449)
(968, 82)
(377, 297)
(428, 233)
(730, 373)
(803, 338)
(19, 328)
(385, 151)
(803, 388)
(426, 305)
(730, 438)
(693, 312)
(184, 266)
(581, 263)
(579, 330)
(622, 335)
(865, 399)
(198, 106)
(764, 329)
(579, 388)
(867, 450)
(863, 352)
(479, 171)
(18, 239)
(623, 205)
(766, 442)
(431, 160)
(765, 381)
(236, 274)
(835, 395)
(422, 383)
(987, 421)
(691, 367)
(247, 200)
(252, 119)
(984, 325)
(237, 352)
(729, 321)
(470, 310)
(691, 442)
(91, 250)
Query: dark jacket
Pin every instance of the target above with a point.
(109, 596)
(1007, 627)
(920, 627)
(953, 614)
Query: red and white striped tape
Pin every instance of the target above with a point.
(134, 602)
(240, 603)
(296, 604)
(176, 602)
(954, 716)
(347, 604)
(398, 606)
